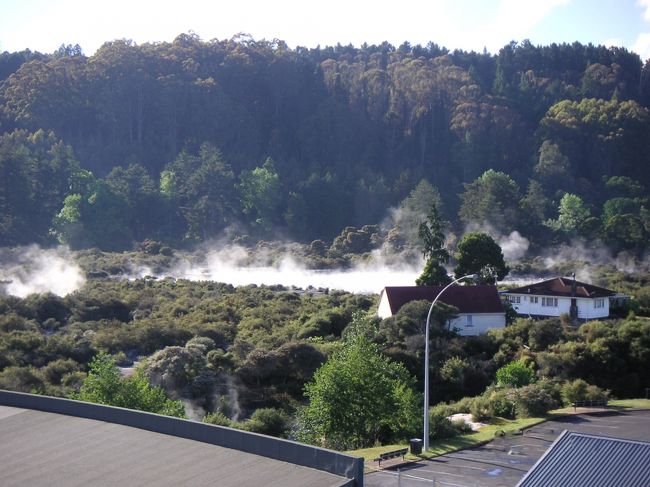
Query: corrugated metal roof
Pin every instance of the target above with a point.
(580, 460)
(561, 286)
(468, 299)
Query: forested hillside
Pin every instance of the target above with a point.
(178, 141)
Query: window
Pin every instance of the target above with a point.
(514, 299)
(469, 320)
(534, 299)
(549, 302)
(599, 303)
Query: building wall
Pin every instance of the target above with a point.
(476, 324)
(383, 310)
(466, 324)
(586, 306)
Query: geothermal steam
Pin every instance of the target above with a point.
(28, 270)
(225, 265)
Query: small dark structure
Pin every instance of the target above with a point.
(389, 455)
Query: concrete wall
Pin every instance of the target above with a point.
(265, 446)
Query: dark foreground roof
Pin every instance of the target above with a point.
(580, 460)
(561, 286)
(468, 299)
(52, 441)
(39, 449)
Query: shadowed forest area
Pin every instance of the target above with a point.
(177, 142)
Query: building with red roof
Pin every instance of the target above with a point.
(479, 307)
(562, 295)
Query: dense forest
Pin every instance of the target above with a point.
(176, 142)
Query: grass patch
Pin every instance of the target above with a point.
(448, 445)
(631, 403)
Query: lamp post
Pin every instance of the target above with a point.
(426, 360)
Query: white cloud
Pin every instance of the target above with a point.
(642, 45)
(646, 6)
(515, 19)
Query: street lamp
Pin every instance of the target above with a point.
(426, 360)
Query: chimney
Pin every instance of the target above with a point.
(574, 287)
(573, 309)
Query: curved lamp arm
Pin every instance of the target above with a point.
(426, 359)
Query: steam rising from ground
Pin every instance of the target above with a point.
(232, 265)
(28, 270)
(514, 246)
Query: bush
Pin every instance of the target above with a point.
(580, 390)
(532, 401)
(499, 404)
(217, 418)
(553, 387)
(480, 410)
(515, 374)
(441, 427)
(54, 371)
(463, 405)
(202, 344)
(22, 379)
(268, 421)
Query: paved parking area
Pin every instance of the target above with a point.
(504, 461)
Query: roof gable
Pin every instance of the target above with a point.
(562, 286)
(468, 299)
(577, 460)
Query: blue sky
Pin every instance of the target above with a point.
(44, 25)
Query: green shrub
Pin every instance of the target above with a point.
(461, 427)
(553, 387)
(480, 409)
(220, 360)
(268, 421)
(441, 427)
(580, 390)
(22, 379)
(202, 344)
(54, 371)
(532, 401)
(443, 409)
(499, 404)
(515, 374)
(463, 405)
(217, 418)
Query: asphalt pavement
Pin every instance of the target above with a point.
(504, 461)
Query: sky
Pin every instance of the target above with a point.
(44, 25)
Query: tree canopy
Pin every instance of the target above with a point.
(305, 142)
(359, 397)
(104, 385)
(478, 253)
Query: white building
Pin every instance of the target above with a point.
(561, 295)
(479, 307)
